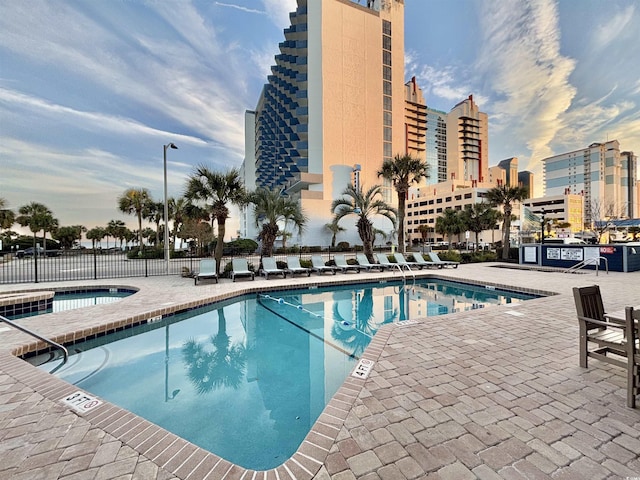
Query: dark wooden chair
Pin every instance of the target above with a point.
(596, 329)
(607, 339)
(632, 323)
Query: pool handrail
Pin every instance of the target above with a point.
(65, 352)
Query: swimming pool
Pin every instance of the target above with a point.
(246, 379)
(66, 300)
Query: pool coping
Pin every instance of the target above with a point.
(179, 456)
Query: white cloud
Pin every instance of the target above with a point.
(278, 11)
(527, 72)
(616, 25)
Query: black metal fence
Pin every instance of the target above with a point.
(85, 266)
(95, 265)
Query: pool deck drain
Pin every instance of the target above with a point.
(480, 394)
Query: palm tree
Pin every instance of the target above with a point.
(96, 235)
(7, 217)
(37, 217)
(449, 224)
(116, 229)
(216, 190)
(403, 170)
(477, 218)
(364, 205)
(135, 201)
(272, 208)
(335, 229)
(178, 212)
(505, 196)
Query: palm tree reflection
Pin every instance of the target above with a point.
(222, 366)
(356, 337)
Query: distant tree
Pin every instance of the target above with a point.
(116, 229)
(154, 213)
(449, 224)
(178, 212)
(96, 235)
(36, 217)
(7, 216)
(424, 231)
(505, 196)
(477, 218)
(403, 170)
(135, 201)
(271, 209)
(68, 235)
(334, 229)
(364, 205)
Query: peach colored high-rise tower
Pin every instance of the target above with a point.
(332, 108)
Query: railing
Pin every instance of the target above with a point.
(109, 264)
(589, 261)
(65, 352)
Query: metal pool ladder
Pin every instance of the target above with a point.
(65, 352)
(589, 261)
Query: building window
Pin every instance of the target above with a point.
(387, 134)
(386, 88)
(386, 73)
(386, 103)
(386, 27)
(386, 57)
(387, 119)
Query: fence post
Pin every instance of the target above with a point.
(146, 267)
(95, 264)
(35, 263)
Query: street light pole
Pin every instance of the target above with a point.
(166, 209)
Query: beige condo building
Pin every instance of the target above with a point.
(333, 108)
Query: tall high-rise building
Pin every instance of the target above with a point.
(415, 121)
(334, 103)
(467, 142)
(629, 166)
(600, 173)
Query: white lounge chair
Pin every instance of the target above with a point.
(270, 267)
(444, 263)
(240, 268)
(419, 259)
(363, 261)
(342, 265)
(400, 260)
(293, 266)
(207, 270)
(319, 266)
(384, 260)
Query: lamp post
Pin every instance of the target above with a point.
(166, 209)
(542, 224)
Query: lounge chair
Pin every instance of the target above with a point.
(240, 268)
(342, 265)
(400, 260)
(419, 259)
(207, 270)
(319, 266)
(363, 261)
(270, 267)
(384, 260)
(293, 266)
(444, 263)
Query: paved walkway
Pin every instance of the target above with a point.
(491, 394)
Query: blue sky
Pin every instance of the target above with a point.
(90, 91)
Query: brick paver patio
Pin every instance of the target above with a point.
(494, 393)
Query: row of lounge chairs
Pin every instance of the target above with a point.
(240, 267)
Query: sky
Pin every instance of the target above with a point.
(91, 91)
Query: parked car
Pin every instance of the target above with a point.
(28, 252)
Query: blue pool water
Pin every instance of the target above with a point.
(246, 379)
(71, 300)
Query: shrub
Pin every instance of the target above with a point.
(451, 256)
(343, 247)
(229, 266)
